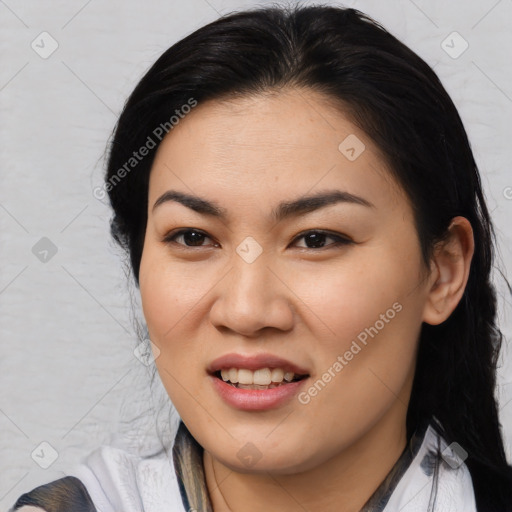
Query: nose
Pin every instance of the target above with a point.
(252, 297)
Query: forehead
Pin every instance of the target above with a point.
(287, 142)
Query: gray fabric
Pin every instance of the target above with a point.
(62, 495)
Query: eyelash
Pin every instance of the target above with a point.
(340, 240)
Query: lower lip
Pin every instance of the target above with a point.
(256, 399)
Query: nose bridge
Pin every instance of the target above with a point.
(251, 288)
(252, 297)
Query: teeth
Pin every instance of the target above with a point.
(277, 375)
(233, 375)
(245, 377)
(260, 377)
(256, 386)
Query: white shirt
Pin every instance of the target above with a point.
(435, 480)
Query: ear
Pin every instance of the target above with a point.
(450, 266)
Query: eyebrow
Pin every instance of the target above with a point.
(284, 209)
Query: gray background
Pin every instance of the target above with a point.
(68, 375)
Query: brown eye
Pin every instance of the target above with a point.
(315, 239)
(191, 237)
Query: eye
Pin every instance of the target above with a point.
(316, 238)
(191, 237)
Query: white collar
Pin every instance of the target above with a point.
(435, 481)
(117, 480)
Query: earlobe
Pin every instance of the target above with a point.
(450, 271)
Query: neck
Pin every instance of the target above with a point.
(344, 482)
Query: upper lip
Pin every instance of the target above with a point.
(254, 362)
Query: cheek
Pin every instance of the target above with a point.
(368, 318)
(369, 289)
(170, 297)
(169, 293)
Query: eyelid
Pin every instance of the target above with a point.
(168, 238)
(340, 238)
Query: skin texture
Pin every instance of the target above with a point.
(303, 302)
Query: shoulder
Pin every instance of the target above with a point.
(120, 480)
(110, 479)
(50, 497)
(436, 474)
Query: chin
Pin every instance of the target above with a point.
(260, 456)
(266, 466)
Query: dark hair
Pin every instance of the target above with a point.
(399, 102)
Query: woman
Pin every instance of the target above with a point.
(306, 224)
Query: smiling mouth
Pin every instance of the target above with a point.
(261, 379)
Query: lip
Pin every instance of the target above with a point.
(254, 362)
(256, 399)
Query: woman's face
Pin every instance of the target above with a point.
(278, 243)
